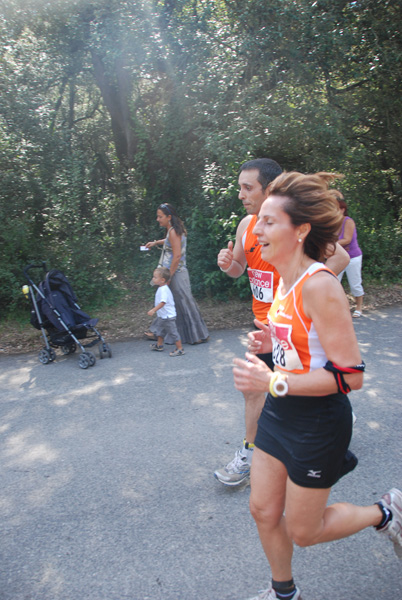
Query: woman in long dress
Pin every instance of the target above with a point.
(190, 324)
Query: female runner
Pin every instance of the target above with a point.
(306, 424)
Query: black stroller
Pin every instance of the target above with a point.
(56, 313)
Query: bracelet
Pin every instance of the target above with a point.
(278, 385)
(274, 377)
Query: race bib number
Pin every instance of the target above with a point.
(284, 354)
(262, 285)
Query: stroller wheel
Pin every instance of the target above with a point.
(69, 348)
(83, 361)
(87, 359)
(46, 356)
(105, 350)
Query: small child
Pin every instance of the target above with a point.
(164, 307)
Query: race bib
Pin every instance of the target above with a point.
(284, 354)
(262, 285)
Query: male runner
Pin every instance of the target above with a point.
(254, 178)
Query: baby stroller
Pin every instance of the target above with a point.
(54, 310)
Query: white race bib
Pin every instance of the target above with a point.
(284, 354)
(262, 285)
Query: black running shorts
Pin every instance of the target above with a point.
(267, 358)
(310, 436)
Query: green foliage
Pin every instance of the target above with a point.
(211, 225)
(382, 252)
(109, 108)
(206, 236)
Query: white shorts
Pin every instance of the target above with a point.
(354, 275)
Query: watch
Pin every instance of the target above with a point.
(280, 386)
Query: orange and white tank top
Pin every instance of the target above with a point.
(264, 278)
(295, 344)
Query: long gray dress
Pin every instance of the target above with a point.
(190, 324)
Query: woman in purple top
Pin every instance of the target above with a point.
(348, 239)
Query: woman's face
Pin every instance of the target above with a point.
(275, 231)
(163, 220)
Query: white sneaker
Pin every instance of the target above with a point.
(392, 500)
(235, 472)
(270, 594)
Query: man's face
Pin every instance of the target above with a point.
(251, 193)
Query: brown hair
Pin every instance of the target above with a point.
(176, 222)
(342, 204)
(309, 200)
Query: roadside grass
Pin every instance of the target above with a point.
(127, 317)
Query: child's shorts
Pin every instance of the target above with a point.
(164, 326)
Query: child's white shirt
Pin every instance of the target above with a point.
(164, 294)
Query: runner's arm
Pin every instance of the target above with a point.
(338, 261)
(325, 302)
(232, 260)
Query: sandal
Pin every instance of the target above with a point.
(156, 348)
(202, 341)
(150, 335)
(357, 314)
(177, 352)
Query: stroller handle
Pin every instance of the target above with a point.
(34, 266)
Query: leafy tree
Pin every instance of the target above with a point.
(107, 108)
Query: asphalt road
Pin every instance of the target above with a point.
(107, 489)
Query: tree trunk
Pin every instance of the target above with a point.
(116, 96)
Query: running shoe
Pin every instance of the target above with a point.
(235, 472)
(270, 594)
(393, 501)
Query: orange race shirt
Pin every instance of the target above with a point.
(264, 278)
(295, 344)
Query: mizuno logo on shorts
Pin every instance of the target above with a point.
(315, 474)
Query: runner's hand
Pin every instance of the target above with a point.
(259, 342)
(225, 257)
(251, 375)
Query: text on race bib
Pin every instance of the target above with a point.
(262, 285)
(284, 353)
